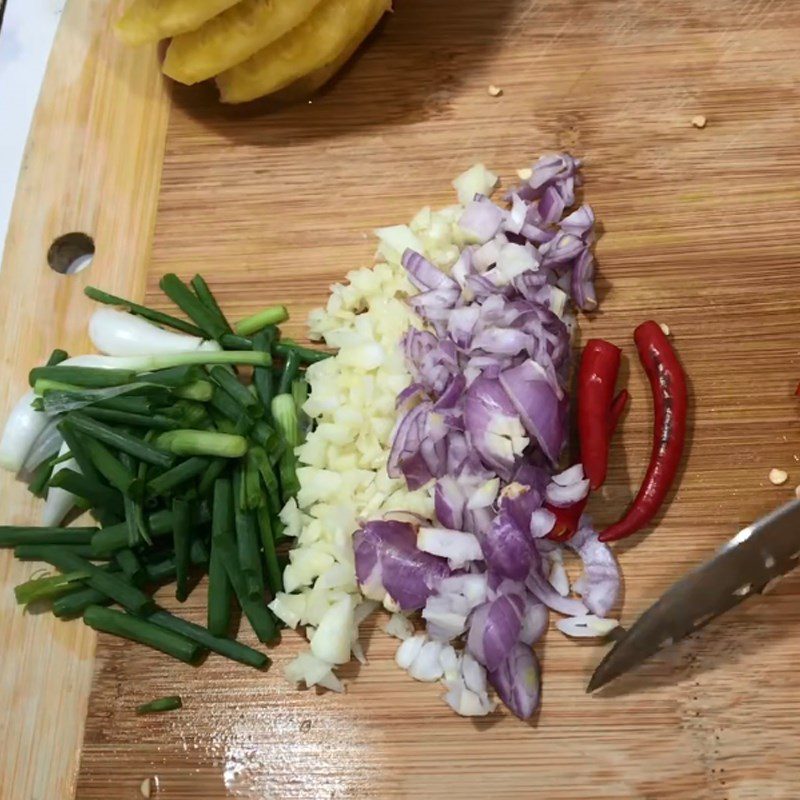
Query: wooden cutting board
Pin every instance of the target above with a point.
(273, 206)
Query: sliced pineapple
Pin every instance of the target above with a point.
(311, 46)
(151, 20)
(309, 84)
(232, 37)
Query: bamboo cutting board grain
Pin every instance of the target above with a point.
(92, 166)
(698, 233)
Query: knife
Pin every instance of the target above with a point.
(756, 556)
(2, 12)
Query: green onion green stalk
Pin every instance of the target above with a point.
(184, 459)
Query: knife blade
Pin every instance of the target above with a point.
(759, 553)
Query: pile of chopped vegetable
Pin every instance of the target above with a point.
(458, 342)
(184, 462)
(419, 468)
(343, 475)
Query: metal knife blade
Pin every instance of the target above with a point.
(757, 554)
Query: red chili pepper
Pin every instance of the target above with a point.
(668, 383)
(797, 390)
(598, 411)
(567, 519)
(617, 409)
(598, 374)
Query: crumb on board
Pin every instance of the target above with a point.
(495, 91)
(699, 121)
(525, 174)
(664, 327)
(149, 787)
(778, 477)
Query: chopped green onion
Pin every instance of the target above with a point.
(258, 457)
(201, 358)
(172, 703)
(56, 357)
(152, 421)
(60, 401)
(231, 386)
(130, 566)
(262, 376)
(118, 623)
(107, 582)
(290, 368)
(44, 385)
(213, 471)
(284, 412)
(224, 546)
(182, 541)
(198, 553)
(269, 439)
(220, 588)
(120, 440)
(134, 521)
(230, 341)
(273, 315)
(206, 297)
(165, 569)
(127, 404)
(229, 408)
(180, 294)
(200, 391)
(225, 647)
(75, 603)
(189, 412)
(134, 508)
(255, 609)
(274, 572)
(239, 428)
(160, 361)
(112, 469)
(287, 470)
(13, 535)
(299, 393)
(178, 475)
(32, 552)
(143, 311)
(97, 494)
(77, 449)
(308, 356)
(174, 376)
(202, 443)
(247, 542)
(165, 444)
(250, 486)
(41, 475)
(112, 538)
(86, 377)
(46, 588)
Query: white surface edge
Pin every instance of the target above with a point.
(26, 39)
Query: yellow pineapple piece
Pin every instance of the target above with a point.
(150, 20)
(313, 45)
(309, 84)
(232, 37)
